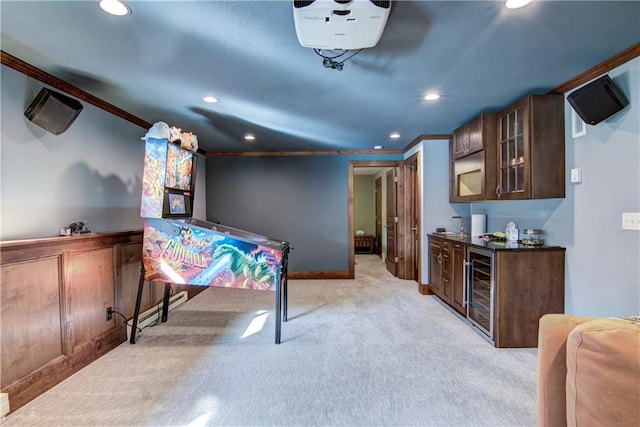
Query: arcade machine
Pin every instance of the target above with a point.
(179, 249)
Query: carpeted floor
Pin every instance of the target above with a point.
(365, 352)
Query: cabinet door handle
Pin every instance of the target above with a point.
(498, 191)
(465, 285)
(439, 258)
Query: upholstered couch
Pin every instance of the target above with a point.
(588, 371)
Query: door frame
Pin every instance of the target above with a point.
(410, 214)
(359, 164)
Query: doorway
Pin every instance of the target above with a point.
(378, 214)
(395, 226)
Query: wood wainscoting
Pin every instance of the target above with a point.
(53, 299)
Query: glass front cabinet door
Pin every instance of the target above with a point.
(513, 154)
(530, 149)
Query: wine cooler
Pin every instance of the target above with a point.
(480, 289)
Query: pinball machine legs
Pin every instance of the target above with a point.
(280, 308)
(136, 312)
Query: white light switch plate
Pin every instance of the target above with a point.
(576, 176)
(631, 220)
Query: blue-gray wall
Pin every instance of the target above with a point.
(91, 172)
(602, 260)
(300, 199)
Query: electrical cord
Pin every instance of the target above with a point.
(157, 305)
(126, 322)
(330, 61)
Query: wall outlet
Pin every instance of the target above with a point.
(109, 313)
(631, 220)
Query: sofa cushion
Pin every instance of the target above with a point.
(552, 366)
(603, 374)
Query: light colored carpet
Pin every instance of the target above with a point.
(365, 352)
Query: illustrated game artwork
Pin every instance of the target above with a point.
(166, 180)
(184, 253)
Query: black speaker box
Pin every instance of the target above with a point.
(53, 111)
(598, 100)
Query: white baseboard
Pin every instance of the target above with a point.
(152, 316)
(4, 405)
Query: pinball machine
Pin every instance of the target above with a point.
(180, 249)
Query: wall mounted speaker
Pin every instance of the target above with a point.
(53, 111)
(598, 100)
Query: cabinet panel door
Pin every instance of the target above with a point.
(513, 140)
(531, 149)
(476, 140)
(529, 285)
(31, 317)
(468, 178)
(90, 283)
(446, 272)
(460, 142)
(435, 266)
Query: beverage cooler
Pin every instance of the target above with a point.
(480, 289)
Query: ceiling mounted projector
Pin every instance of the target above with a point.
(340, 24)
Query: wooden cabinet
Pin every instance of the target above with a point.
(521, 285)
(446, 271)
(529, 283)
(473, 160)
(435, 265)
(530, 149)
(471, 137)
(460, 142)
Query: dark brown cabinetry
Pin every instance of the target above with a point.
(435, 266)
(471, 137)
(530, 149)
(518, 153)
(473, 160)
(446, 273)
(528, 285)
(505, 290)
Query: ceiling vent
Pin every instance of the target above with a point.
(340, 24)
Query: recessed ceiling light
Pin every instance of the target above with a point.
(210, 99)
(394, 135)
(249, 137)
(378, 147)
(431, 96)
(515, 4)
(115, 7)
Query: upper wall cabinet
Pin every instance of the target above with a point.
(530, 149)
(468, 138)
(473, 160)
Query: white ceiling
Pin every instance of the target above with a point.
(159, 62)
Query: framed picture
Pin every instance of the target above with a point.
(176, 204)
